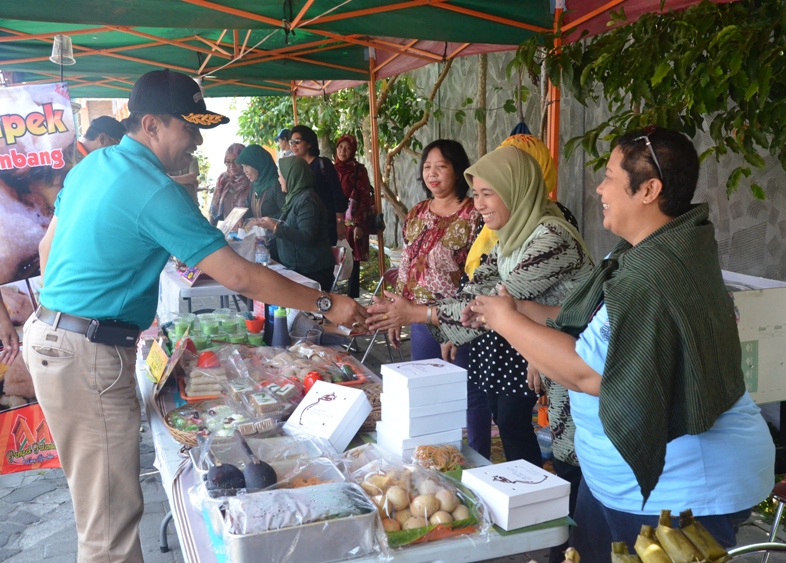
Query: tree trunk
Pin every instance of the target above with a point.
(483, 64)
(544, 101)
(399, 208)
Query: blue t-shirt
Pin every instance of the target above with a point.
(724, 470)
(119, 218)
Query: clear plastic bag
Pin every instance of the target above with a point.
(417, 505)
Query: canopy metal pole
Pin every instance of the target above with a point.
(552, 135)
(294, 101)
(372, 105)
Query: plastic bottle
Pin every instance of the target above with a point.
(261, 254)
(280, 328)
(544, 441)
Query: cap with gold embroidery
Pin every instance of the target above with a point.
(173, 93)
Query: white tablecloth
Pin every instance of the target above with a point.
(177, 477)
(173, 288)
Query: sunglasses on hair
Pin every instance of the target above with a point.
(295, 141)
(649, 130)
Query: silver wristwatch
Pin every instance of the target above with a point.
(324, 303)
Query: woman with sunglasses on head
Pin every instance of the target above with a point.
(538, 254)
(232, 187)
(303, 143)
(648, 347)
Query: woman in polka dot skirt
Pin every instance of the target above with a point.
(539, 256)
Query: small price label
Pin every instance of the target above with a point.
(156, 361)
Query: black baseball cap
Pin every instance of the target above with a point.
(283, 134)
(173, 93)
(107, 125)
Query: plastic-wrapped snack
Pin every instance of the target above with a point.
(433, 506)
(236, 388)
(264, 403)
(283, 388)
(205, 382)
(329, 522)
(352, 367)
(282, 360)
(205, 417)
(440, 458)
(222, 419)
(306, 473)
(361, 456)
(304, 348)
(266, 353)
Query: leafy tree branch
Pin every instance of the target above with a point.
(714, 67)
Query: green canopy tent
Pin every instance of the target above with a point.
(289, 47)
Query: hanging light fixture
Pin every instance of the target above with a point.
(62, 52)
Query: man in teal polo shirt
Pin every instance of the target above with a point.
(117, 220)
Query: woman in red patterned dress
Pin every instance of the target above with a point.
(357, 189)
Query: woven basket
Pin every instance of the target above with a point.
(185, 438)
(372, 391)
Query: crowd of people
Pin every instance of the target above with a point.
(638, 353)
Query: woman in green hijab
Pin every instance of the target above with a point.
(539, 256)
(265, 198)
(302, 231)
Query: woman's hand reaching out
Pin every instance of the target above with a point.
(392, 311)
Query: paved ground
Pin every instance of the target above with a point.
(37, 522)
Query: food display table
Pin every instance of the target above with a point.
(178, 476)
(173, 288)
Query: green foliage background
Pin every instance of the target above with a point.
(718, 63)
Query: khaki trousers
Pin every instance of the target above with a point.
(88, 395)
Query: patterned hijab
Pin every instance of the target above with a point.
(259, 159)
(298, 177)
(518, 180)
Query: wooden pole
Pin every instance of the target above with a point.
(552, 138)
(294, 101)
(372, 105)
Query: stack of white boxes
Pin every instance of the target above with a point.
(424, 402)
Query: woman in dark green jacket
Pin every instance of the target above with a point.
(265, 198)
(302, 232)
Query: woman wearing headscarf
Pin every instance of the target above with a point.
(357, 189)
(539, 256)
(302, 232)
(565, 462)
(232, 187)
(265, 198)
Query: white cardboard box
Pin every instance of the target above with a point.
(428, 419)
(761, 322)
(389, 439)
(518, 493)
(426, 396)
(421, 373)
(333, 412)
(398, 409)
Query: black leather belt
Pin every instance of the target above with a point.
(113, 333)
(62, 320)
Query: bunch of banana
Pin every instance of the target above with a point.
(648, 548)
(572, 556)
(691, 543)
(620, 553)
(708, 546)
